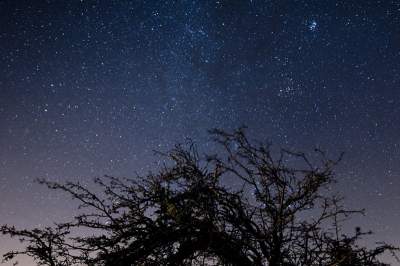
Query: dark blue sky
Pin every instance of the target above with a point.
(92, 87)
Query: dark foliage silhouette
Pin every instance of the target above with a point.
(277, 211)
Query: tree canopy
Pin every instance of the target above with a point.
(246, 205)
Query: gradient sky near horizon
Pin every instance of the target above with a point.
(89, 88)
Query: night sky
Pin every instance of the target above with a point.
(89, 88)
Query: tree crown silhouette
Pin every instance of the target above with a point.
(246, 205)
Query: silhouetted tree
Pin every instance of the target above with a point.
(276, 211)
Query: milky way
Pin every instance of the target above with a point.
(89, 88)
